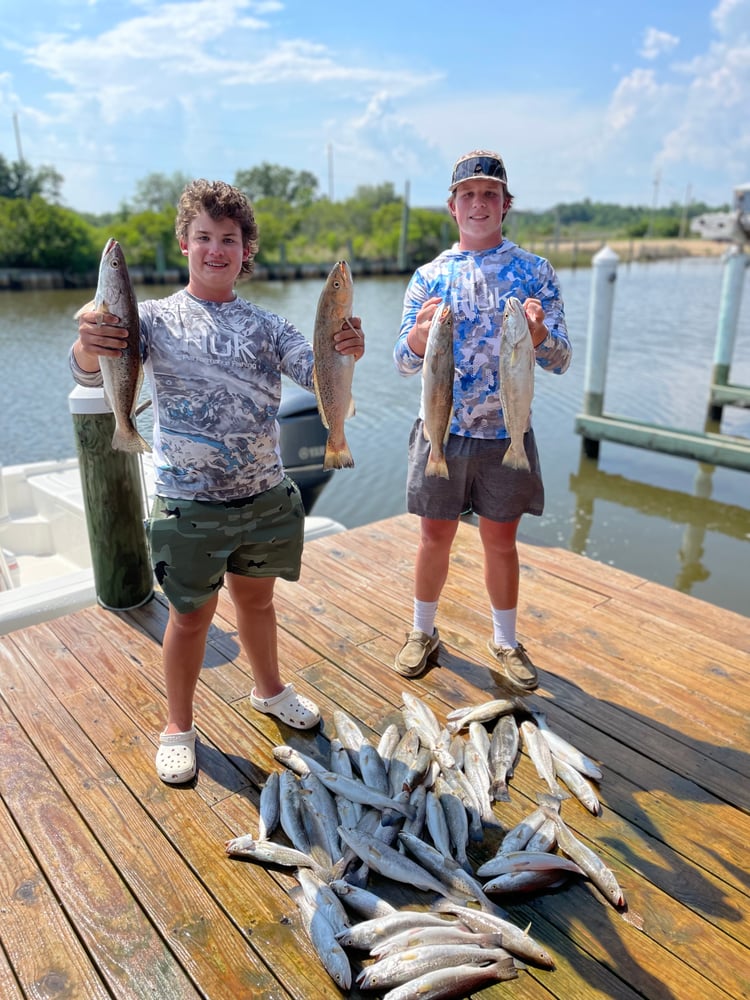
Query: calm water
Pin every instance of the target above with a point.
(664, 518)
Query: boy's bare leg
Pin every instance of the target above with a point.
(256, 624)
(183, 651)
(433, 557)
(501, 568)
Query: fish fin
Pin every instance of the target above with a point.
(550, 803)
(516, 458)
(436, 467)
(129, 440)
(318, 399)
(352, 410)
(89, 307)
(338, 458)
(296, 893)
(499, 791)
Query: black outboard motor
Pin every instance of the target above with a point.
(303, 442)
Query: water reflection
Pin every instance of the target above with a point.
(697, 511)
(674, 534)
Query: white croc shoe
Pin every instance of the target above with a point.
(175, 758)
(289, 707)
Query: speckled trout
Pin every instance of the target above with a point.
(122, 376)
(516, 380)
(438, 374)
(333, 372)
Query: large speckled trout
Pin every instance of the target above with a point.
(438, 372)
(122, 376)
(333, 372)
(517, 361)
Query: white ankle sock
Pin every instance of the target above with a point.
(504, 626)
(425, 613)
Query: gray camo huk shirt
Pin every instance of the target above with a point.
(214, 370)
(477, 284)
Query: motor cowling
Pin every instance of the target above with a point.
(303, 443)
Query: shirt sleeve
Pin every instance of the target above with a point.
(296, 355)
(91, 380)
(405, 360)
(556, 351)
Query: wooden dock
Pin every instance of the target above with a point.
(115, 885)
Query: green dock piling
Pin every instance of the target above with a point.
(113, 504)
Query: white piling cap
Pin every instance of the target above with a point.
(87, 400)
(605, 256)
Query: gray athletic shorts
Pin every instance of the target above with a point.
(194, 543)
(479, 483)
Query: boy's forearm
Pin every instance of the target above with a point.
(86, 360)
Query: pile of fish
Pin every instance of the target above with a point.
(407, 809)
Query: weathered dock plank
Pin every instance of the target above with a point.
(112, 884)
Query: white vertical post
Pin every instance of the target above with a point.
(735, 263)
(604, 265)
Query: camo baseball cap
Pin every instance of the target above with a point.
(478, 163)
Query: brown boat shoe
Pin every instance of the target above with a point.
(516, 665)
(411, 660)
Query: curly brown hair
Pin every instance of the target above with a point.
(221, 201)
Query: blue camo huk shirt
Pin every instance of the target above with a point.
(476, 284)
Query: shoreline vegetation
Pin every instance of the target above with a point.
(561, 253)
(302, 232)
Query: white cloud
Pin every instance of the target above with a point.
(211, 86)
(656, 42)
(731, 18)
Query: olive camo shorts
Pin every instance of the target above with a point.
(194, 543)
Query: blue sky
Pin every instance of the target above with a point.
(636, 103)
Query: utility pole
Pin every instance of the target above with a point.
(657, 181)
(330, 171)
(21, 162)
(17, 130)
(403, 240)
(685, 209)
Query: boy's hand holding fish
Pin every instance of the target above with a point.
(100, 335)
(417, 338)
(350, 339)
(535, 319)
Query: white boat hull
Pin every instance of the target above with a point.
(45, 563)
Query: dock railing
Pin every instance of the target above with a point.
(710, 446)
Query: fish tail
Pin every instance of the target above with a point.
(437, 467)
(128, 439)
(499, 791)
(338, 457)
(549, 804)
(515, 457)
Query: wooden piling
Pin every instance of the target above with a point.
(114, 506)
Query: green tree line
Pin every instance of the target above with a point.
(297, 223)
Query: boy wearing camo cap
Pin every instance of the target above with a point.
(475, 277)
